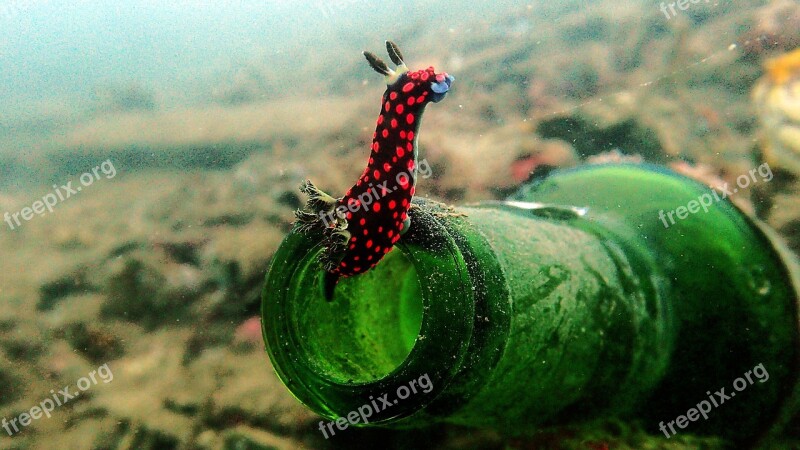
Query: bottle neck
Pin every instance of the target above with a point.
(499, 290)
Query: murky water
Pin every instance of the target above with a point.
(150, 158)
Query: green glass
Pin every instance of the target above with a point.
(568, 302)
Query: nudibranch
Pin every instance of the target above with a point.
(363, 225)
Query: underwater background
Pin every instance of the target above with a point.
(151, 153)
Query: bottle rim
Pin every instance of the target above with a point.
(447, 323)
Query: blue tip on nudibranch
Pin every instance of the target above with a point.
(444, 86)
(440, 88)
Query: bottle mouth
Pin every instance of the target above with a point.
(367, 329)
(411, 316)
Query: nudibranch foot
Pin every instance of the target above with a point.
(329, 285)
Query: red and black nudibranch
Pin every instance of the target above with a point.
(365, 223)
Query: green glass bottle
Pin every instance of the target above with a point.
(572, 300)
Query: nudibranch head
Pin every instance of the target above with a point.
(425, 85)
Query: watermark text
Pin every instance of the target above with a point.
(62, 397)
(59, 194)
(365, 411)
(708, 199)
(717, 399)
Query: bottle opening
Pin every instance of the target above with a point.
(370, 326)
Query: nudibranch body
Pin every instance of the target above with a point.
(365, 223)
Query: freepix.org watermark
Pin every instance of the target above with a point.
(374, 193)
(366, 410)
(683, 5)
(62, 397)
(717, 399)
(59, 194)
(708, 199)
